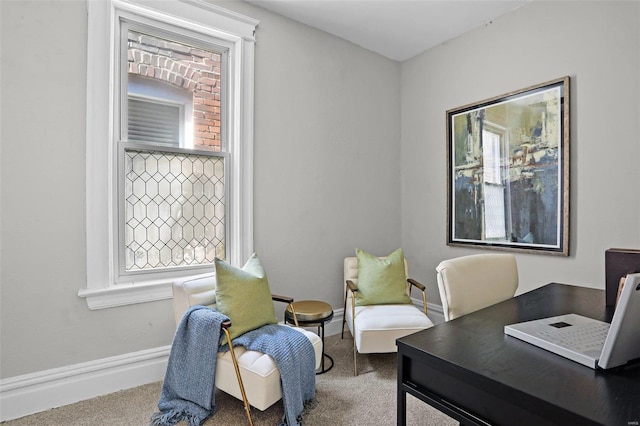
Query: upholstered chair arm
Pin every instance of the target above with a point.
(415, 283)
(351, 287)
(283, 299)
(421, 287)
(288, 300)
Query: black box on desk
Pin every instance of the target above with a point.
(617, 264)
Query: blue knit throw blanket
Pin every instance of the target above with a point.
(294, 355)
(188, 391)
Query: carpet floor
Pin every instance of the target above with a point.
(342, 399)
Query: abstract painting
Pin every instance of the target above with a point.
(508, 171)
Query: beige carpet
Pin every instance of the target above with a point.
(342, 399)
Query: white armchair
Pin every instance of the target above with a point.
(258, 371)
(470, 283)
(375, 328)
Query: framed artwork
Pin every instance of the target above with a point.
(508, 171)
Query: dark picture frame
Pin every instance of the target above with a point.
(508, 171)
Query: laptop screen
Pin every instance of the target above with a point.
(623, 341)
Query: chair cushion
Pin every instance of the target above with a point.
(259, 373)
(244, 296)
(381, 280)
(378, 326)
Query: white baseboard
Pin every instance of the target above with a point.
(40, 391)
(32, 393)
(436, 314)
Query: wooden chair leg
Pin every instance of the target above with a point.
(247, 408)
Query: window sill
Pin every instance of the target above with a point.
(126, 294)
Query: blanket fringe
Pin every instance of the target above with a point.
(308, 406)
(173, 417)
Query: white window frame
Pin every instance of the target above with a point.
(237, 31)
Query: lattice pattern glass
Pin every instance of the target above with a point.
(174, 210)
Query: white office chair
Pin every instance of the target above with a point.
(471, 283)
(258, 371)
(375, 328)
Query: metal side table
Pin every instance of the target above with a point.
(312, 313)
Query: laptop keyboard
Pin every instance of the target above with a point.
(580, 338)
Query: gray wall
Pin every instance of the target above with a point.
(598, 45)
(330, 171)
(327, 178)
(327, 163)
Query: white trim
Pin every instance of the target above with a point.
(126, 294)
(234, 16)
(99, 157)
(234, 30)
(36, 392)
(434, 312)
(242, 152)
(195, 14)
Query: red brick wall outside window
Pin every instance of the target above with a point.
(189, 68)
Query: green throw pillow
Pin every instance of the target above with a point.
(244, 296)
(381, 281)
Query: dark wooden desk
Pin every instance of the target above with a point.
(470, 370)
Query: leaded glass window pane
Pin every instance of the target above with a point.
(174, 209)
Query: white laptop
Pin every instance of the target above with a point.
(588, 341)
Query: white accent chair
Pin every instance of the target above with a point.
(470, 283)
(258, 371)
(375, 328)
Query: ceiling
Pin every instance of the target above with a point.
(397, 29)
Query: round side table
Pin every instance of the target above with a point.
(312, 313)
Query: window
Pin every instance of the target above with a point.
(171, 192)
(169, 148)
(493, 182)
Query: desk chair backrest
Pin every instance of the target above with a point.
(470, 283)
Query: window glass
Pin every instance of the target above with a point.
(154, 121)
(173, 200)
(174, 210)
(180, 74)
